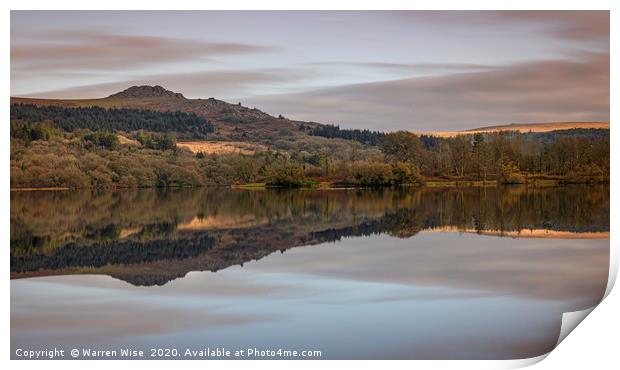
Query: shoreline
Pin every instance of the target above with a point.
(327, 185)
(46, 189)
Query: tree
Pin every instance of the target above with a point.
(482, 156)
(401, 146)
(353, 155)
(325, 160)
(461, 154)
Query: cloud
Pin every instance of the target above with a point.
(223, 83)
(574, 25)
(451, 95)
(578, 25)
(576, 89)
(553, 90)
(409, 67)
(93, 51)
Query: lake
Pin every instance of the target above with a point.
(430, 273)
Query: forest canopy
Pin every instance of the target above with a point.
(506, 156)
(113, 119)
(97, 147)
(334, 131)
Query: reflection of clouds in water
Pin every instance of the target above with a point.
(100, 309)
(532, 268)
(233, 282)
(442, 295)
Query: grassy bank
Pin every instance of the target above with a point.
(434, 183)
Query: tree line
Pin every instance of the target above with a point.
(580, 155)
(97, 159)
(80, 147)
(113, 119)
(334, 131)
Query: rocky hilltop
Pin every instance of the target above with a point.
(146, 91)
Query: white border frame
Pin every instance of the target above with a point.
(596, 337)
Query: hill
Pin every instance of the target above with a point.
(231, 121)
(523, 127)
(237, 122)
(168, 140)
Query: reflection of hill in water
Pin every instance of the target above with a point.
(149, 237)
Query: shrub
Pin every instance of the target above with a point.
(104, 139)
(28, 132)
(286, 175)
(156, 141)
(367, 174)
(406, 174)
(509, 173)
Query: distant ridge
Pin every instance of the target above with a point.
(522, 127)
(541, 127)
(146, 91)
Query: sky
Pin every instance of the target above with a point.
(381, 70)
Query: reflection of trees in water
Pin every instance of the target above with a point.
(575, 209)
(61, 230)
(115, 253)
(403, 223)
(45, 220)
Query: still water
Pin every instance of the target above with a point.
(468, 273)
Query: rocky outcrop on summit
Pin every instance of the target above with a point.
(146, 91)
